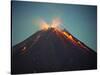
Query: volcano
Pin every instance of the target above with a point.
(52, 50)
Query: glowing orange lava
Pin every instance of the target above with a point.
(70, 37)
(54, 24)
(43, 25)
(65, 34)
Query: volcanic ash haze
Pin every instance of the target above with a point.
(51, 49)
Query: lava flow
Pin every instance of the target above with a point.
(51, 49)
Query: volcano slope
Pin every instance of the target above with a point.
(50, 51)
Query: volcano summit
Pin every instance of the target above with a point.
(51, 50)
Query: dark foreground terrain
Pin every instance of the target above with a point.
(50, 51)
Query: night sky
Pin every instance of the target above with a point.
(79, 20)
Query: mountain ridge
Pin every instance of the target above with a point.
(52, 50)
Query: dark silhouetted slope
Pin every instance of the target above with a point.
(52, 50)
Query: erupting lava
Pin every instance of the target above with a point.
(51, 49)
(43, 25)
(55, 24)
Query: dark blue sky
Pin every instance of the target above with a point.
(79, 20)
